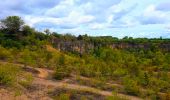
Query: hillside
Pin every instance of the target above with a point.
(36, 65)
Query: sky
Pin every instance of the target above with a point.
(117, 18)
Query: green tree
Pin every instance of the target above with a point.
(47, 31)
(61, 60)
(12, 24)
(80, 37)
(27, 30)
(130, 86)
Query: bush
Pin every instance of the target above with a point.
(8, 74)
(115, 97)
(119, 72)
(143, 79)
(61, 72)
(26, 57)
(4, 54)
(27, 80)
(64, 97)
(60, 75)
(9, 43)
(130, 86)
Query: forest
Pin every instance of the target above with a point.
(139, 67)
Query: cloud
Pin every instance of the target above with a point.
(97, 26)
(61, 10)
(21, 7)
(167, 27)
(32, 20)
(100, 10)
(48, 25)
(98, 16)
(118, 11)
(163, 6)
(153, 16)
(79, 18)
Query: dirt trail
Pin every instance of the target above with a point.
(44, 74)
(55, 84)
(89, 79)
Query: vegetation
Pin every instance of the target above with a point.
(65, 94)
(8, 74)
(143, 72)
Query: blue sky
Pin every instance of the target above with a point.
(118, 18)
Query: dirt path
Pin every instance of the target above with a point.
(44, 74)
(55, 84)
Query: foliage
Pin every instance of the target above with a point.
(4, 54)
(115, 97)
(63, 97)
(8, 74)
(12, 23)
(61, 73)
(27, 80)
(131, 86)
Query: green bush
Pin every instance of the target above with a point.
(63, 96)
(115, 97)
(27, 80)
(119, 72)
(8, 74)
(4, 54)
(130, 86)
(144, 79)
(61, 72)
(26, 57)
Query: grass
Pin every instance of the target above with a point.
(9, 74)
(14, 79)
(27, 80)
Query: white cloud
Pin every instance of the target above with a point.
(32, 20)
(151, 11)
(153, 16)
(167, 27)
(97, 26)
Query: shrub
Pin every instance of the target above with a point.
(27, 80)
(61, 60)
(4, 53)
(143, 79)
(63, 96)
(130, 86)
(8, 74)
(115, 98)
(119, 72)
(26, 57)
(61, 72)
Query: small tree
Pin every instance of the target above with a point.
(27, 30)
(47, 31)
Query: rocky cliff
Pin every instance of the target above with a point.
(85, 47)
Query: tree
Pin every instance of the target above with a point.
(80, 37)
(12, 24)
(47, 31)
(27, 30)
(130, 86)
(61, 60)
